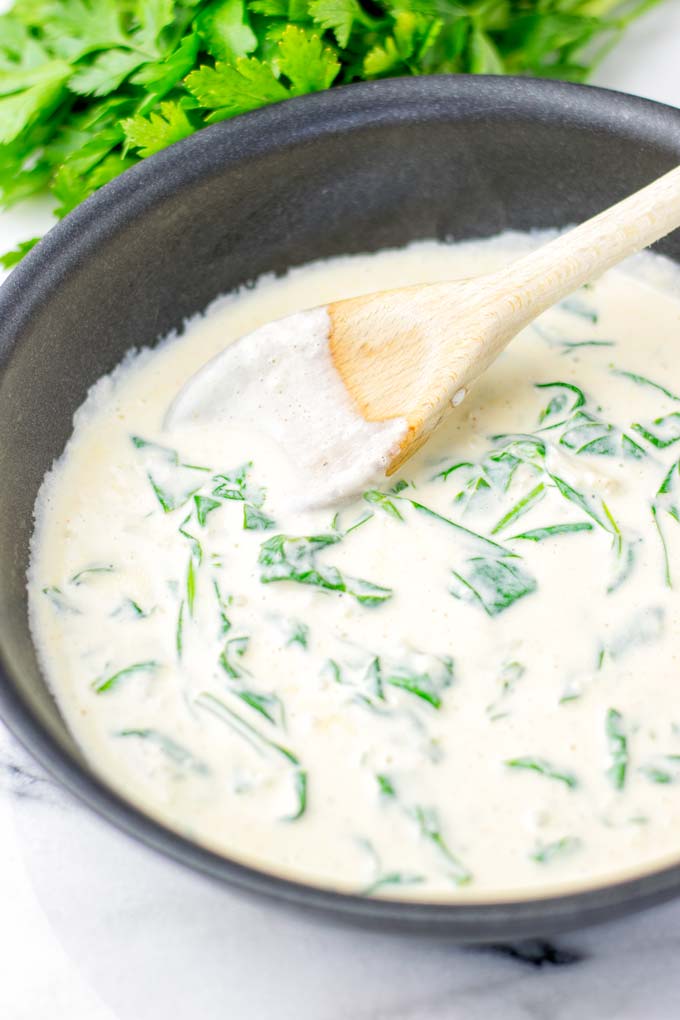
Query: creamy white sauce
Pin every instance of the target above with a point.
(503, 720)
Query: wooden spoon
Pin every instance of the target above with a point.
(412, 353)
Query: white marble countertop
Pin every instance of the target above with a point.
(96, 927)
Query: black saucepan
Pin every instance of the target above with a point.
(350, 170)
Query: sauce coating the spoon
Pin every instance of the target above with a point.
(281, 380)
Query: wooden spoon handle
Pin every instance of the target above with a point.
(541, 279)
(412, 353)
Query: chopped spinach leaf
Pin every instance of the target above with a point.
(129, 609)
(664, 769)
(392, 878)
(494, 583)
(545, 853)
(88, 572)
(301, 790)
(576, 306)
(178, 755)
(204, 506)
(299, 634)
(235, 485)
(427, 687)
(382, 500)
(565, 401)
(60, 601)
(256, 520)
(269, 706)
(191, 586)
(240, 726)
(234, 650)
(262, 745)
(429, 828)
(293, 558)
(551, 531)
(617, 742)
(523, 506)
(642, 380)
(179, 631)
(107, 683)
(223, 604)
(173, 483)
(543, 768)
(662, 432)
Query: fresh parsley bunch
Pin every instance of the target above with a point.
(90, 87)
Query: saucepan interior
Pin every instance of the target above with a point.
(358, 169)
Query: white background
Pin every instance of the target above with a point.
(96, 927)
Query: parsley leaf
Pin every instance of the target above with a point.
(90, 87)
(338, 16)
(162, 76)
(74, 28)
(106, 72)
(154, 17)
(225, 30)
(153, 133)
(308, 65)
(11, 258)
(229, 89)
(28, 96)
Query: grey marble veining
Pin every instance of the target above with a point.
(21, 778)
